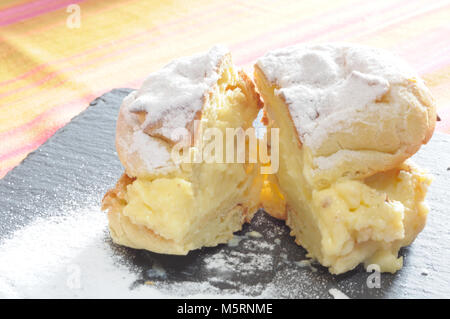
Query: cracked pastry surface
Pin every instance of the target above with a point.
(172, 207)
(349, 117)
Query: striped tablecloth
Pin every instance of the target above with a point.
(58, 55)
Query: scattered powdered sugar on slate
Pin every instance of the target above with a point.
(306, 263)
(70, 255)
(246, 263)
(62, 256)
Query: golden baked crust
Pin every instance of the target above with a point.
(115, 198)
(251, 89)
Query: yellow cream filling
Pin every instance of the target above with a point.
(204, 203)
(343, 221)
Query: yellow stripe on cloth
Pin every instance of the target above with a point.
(49, 71)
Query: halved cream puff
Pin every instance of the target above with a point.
(171, 206)
(349, 117)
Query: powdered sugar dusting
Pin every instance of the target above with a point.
(172, 96)
(337, 294)
(70, 255)
(227, 262)
(327, 87)
(62, 257)
(167, 103)
(151, 151)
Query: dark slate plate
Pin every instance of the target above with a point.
(54, 240)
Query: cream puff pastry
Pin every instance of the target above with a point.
(349, 117)
(169, 206)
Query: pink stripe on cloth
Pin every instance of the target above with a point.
(405, 18)
(312, 34)
(436, 61)
(421, 45)
(35, 144)
(115, 42)
(44, 115)
(59, 72)
(32, 9)
(78, 105)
